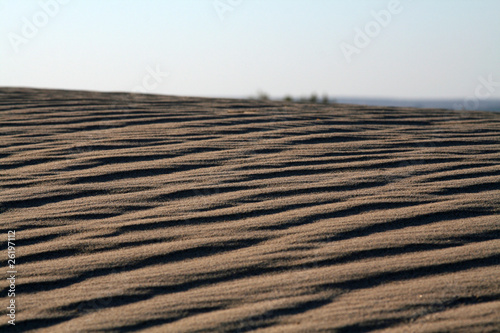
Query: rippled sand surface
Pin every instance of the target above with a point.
(172, 214)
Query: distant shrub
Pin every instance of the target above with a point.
(262, 96)
(313, 98)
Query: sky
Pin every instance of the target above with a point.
(235, 48)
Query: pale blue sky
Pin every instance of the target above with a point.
(430, 49)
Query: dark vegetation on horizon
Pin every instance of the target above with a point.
(262, 96)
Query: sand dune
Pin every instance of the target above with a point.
(172, 214)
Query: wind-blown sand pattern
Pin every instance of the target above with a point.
(173, 214)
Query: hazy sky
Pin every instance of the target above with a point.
(389, 48)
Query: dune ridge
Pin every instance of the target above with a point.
(175, 214)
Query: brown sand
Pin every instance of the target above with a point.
(170, 214)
